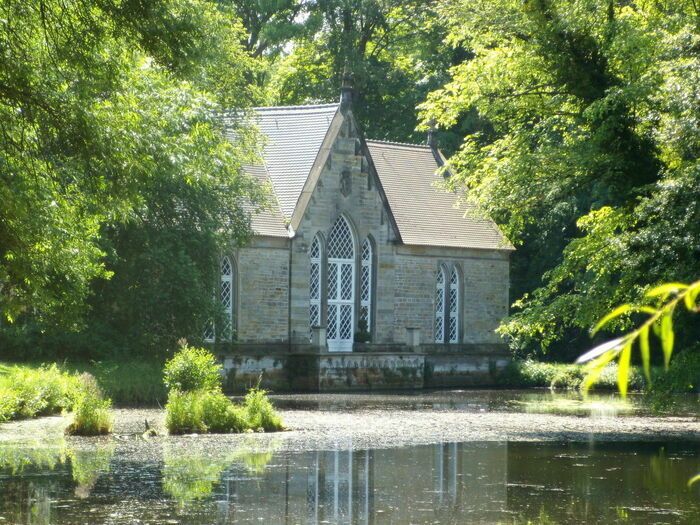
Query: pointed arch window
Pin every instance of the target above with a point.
(341, 286)
(440, 306)
(315, 283)
(454, 304)
(366, 284)
(226, 298)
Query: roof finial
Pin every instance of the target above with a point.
(346, 87)
(432, 135)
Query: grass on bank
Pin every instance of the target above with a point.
(196, 403)
(29, 392)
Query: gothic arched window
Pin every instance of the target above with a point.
(366, 284)
(341, 286)
(315, 283)
(226, 298)
(440, 306)
(454, 305)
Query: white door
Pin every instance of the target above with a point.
(341, 287)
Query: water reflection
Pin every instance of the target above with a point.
(39, 467)
(490, 482)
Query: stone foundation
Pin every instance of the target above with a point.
(403, 368)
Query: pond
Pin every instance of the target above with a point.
(346, 478)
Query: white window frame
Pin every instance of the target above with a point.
(454, 317)
(315, 261)
(224, 279)
(440, 303)
(366, 278)
(335, 302)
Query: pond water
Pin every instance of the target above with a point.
(125, 479)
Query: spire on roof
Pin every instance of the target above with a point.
(346, 88)
(432, 136)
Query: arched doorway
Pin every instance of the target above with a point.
(341, 287)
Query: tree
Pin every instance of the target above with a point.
(588, 162)
(393, 50)
(107, 131)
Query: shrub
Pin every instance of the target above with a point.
(91, 412)
(192, 369)
(532, 374)
(33, 392)
(203, 411)
(183, 413)
(9, 404)
(259, 411)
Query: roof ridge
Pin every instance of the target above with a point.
(297, 107)
(396, 143)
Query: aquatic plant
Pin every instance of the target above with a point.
(91, 411)
(206, 408)
(192, 369)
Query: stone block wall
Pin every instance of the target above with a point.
(484, 290)
(263, 293)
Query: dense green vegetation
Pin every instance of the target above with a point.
(573, 123)
(28, 392)
(196, 403)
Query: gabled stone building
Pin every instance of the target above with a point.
(364, 273)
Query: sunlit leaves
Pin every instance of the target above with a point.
(590, 164)
(660, 320)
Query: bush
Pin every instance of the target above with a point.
(9, 404)
(196, 402)
(203, 411)
(183, 413)
(91, 412)
(192, 369)
(260, 414)
(533, 374)
(32, 392)
(682, 377)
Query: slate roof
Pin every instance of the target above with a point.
(426, 214)
(268, 222)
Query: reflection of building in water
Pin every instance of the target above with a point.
(347, 486)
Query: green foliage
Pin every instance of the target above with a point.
(193, 369)
(32, 392)
(259, 412)
(127, 381)
(665, 298)
(113, 164)
(91, 411)
(197, 404)
(535, 374)
(27, 392)
(393, 49)
(203, 411)
(588, 161)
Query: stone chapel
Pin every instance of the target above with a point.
(365, 272)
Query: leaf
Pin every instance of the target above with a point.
(595, 368)
(623, 368)
(693, 480)
(601, 349)
(667, 337)
(690, 297)
(664, 290)
(644, 350)
(617, 312)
